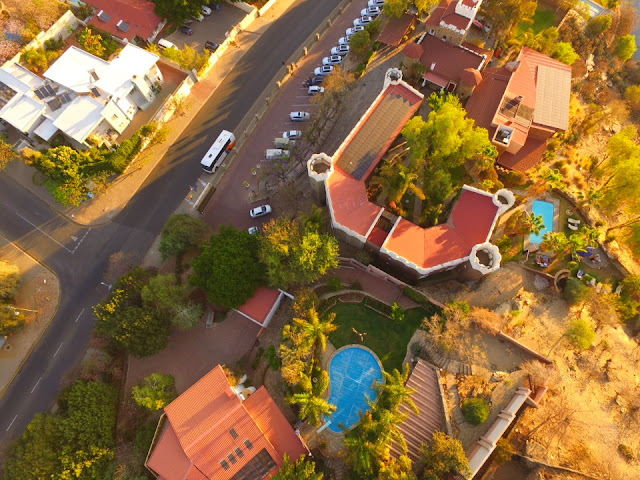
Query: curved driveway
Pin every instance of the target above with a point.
(79, 255)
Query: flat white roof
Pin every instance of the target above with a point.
(46, 129)
(24, 75)
(12, 82)
(130, 61)
(73, 68)
(23, 113)
(80, 118)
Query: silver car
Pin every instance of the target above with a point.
(299, 116)
(260, 211)
(323, 70)
(332, 60)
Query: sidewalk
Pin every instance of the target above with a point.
(102, 209)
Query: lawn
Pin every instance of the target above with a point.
(543, 18)
(385, 337)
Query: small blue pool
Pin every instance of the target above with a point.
(593, 8)
(353, 372)
(546, 209)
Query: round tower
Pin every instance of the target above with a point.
(319, 168)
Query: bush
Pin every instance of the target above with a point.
(359, 42)
(121, 158)
(363, 257)
(272, 358)
(581, 333)
(373, 28)
(475, 410)
(397, 312)
(574, 291)
(626, 452)
(9, 279)
(335, 284)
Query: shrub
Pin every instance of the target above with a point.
(121, 158)
(581, 333)
(626, 452)
(373, 28)
(335, 284)
(9, 279)
(414, 295)
(574, 291)
(416, 348)
(272, 358)
(504, 244)
(397, 312)
(475, 410)
(363, 257)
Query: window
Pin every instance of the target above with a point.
(233, 433)
(239, 452)
(232, 458)
(248, 444)
(224, 464)
(257, 468)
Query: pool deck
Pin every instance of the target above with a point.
(556, 213)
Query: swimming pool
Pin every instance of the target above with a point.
(593, 8)
(353, 372)
(546, 209)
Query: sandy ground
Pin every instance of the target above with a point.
(39, 291)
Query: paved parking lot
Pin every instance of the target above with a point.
(231, 198)
(212, 28)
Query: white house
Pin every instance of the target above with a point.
(89, 100)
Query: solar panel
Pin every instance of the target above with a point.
(54, 104)
(39, 94)
(65, 98)
(50, 90)
(103, 16)
(6, 94)
(123, 26)
(95, 91)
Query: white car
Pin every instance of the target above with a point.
(260, 211)
(364, 20)
(341, 50)
(315, 89)
(299, 116)
(370, 11)
(352, 30)
(332, 60)
(344, 40)
(376, 3)
(292, 134)
(323, 70)
(206, 11)
(254, 230)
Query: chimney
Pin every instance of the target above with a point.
(433, 66)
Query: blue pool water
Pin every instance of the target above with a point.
(594, 8)
(353, 372)
(546, 209)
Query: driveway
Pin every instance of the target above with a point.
(212, 28)
(231, 197)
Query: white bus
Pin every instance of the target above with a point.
(218, 151)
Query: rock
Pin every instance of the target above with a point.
(540, 283)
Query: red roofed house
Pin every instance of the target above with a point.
(452, 19)
(522, 104)
(462, 242)
(262, 306)
(211, 432)
(127, 19)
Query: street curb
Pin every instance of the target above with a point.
(44, 330)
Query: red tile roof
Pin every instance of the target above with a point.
(527, 157)
(487, 96)
(396, 29)
(413, 50)
(450, 60)
(470, 223)
(259, 306)
(471, 77)
(138, 14)
(202, 419)
(418, 429)
(446, 12)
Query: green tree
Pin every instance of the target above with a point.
(475, 410)
(503, 14)
(533, 223)
(443, 456)
(359, 42)
(575, 292)
(156, 392)
(397, 469)
(504, 452)
(396, 180)
(162, 293)
(35, 59)
(228, 270)
(598, 25)
(177, 11)
(625, 47)
(301, 469)
(91, 43)
(394, 392)
(316, 330)
(363, 452)
(180, 233)
(186, 315)
(564, 52)
(9, 279)
(6, 153)
(424, 6)
(11, 320)
(581, 333)
(632, 96)
(296, 254)
(313, 408)
(396, 8)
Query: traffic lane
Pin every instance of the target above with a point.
(231, 198)
(169, 183)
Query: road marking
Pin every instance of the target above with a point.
(75, 239)
(54, 355)
(79, 315)
(302, 105)
(36, 385)
(14, 419)
(81, 240)
(302, 96)
(42, 231)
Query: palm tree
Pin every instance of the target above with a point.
(395, 179)
(533, 224)
(316, 330)
(364, 449)
(394, 391)
(312, 408)
(315, 220)
(557, 242)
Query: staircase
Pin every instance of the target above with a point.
(443, 361)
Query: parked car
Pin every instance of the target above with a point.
(199, 17)
(276, 153)
(292, 134)
(341, 50)
(260, 211)
(376, 3)
(313, 90)
(370, 11)
(254, 230)
(299, 116)
(344, 40)
(332, 60)
(186, 29)
(317, 80)
(206, 11)
(211, 46)
(214, 5)
(323, 70)
(363, 20)
(352, 30)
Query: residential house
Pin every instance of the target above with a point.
(461, 243)
(129, 20)
(397, 29)
(87, 99)
(522, 105)
(213, 431)
(452, 19)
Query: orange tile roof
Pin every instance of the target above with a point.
(138, 14)
(471, 222)
(527, 157)
(202, 419)
(260, 304)
(396, 29)
(413, 50)
(450, 60)
(471, 77)
(487, 96)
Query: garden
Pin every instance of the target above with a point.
(544, 17)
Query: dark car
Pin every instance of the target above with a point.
(211, 46)
(216, 7)
(317, 80)
(186, 29)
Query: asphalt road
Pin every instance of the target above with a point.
(79, 256)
